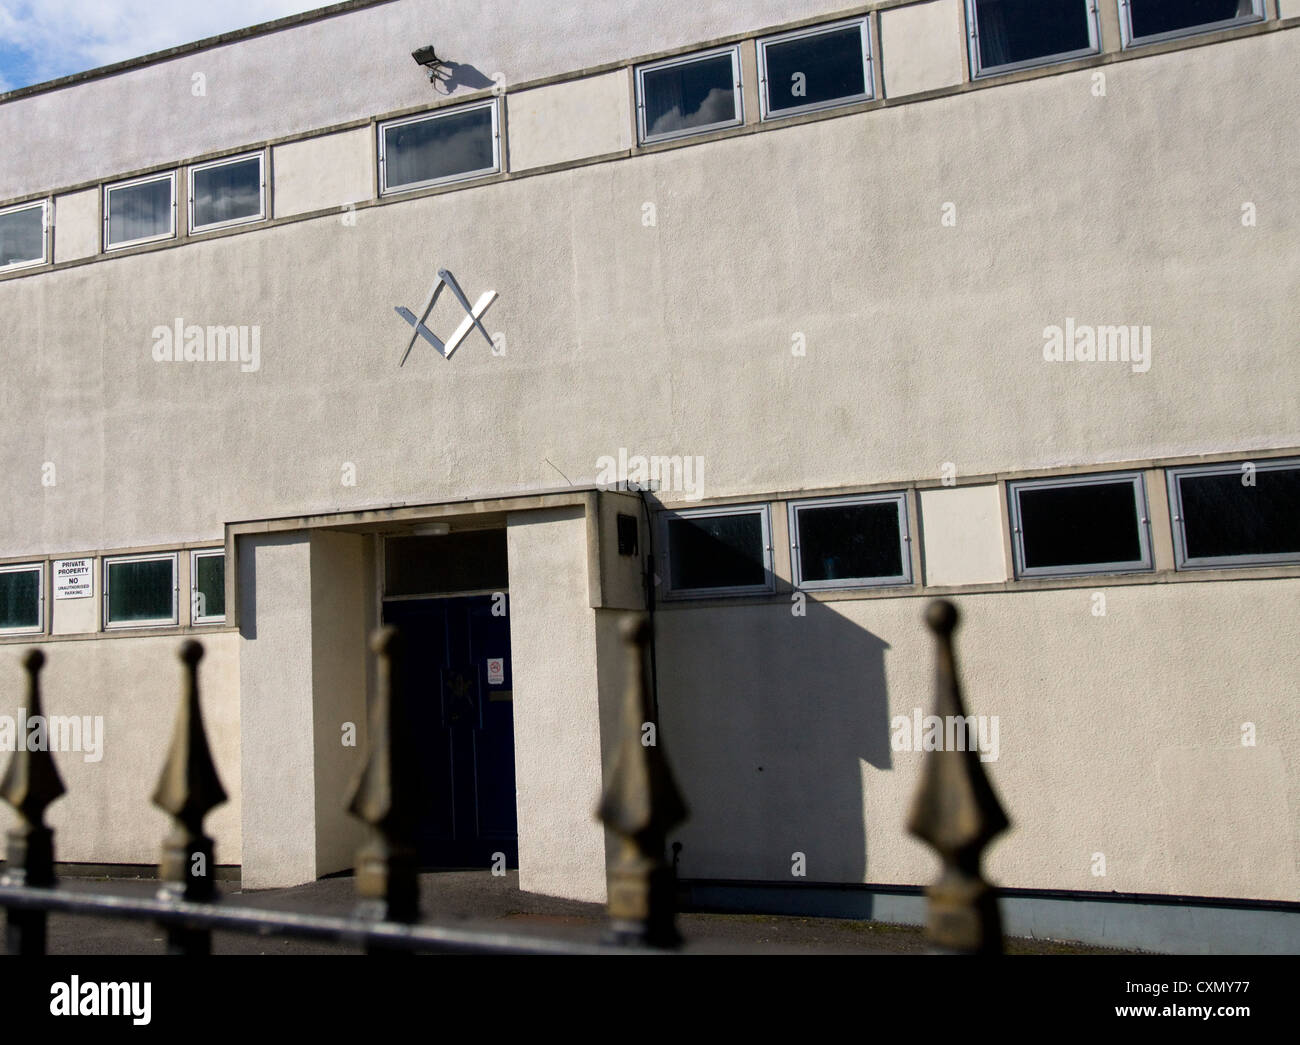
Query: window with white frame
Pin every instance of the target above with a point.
(142, 210)
(1019, 34)
(1242, 513)
(24, 234)
(22, 598)
(850, 542)
(691, 95)
(227, 192)
(1080, 525)
(445, 146)
(140, 591)
(208, 587)
(718, 551)
(1146, 21)
(817, 68)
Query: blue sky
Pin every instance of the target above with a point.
(44, 39)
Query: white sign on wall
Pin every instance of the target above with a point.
(73, 579)
(496, 670)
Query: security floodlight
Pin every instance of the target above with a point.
(425, 56)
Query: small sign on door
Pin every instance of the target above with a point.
(496, 670)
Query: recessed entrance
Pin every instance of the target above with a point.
(457, 670)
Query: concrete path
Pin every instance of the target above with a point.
(477, 897)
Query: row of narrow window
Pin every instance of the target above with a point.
(138, 591)
(1234, 514)
(800, 71)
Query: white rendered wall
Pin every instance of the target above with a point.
(76, 225)
(342, 586)
(303, 674)
(1118, 735)
(329, 171)
(924, 345)
(962, 535)
(134, 685)
(924, 342)
(276, 712)
(348, 67)
(922, 46)
(556, 705)
(570, 121)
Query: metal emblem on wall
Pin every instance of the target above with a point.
(472, 317)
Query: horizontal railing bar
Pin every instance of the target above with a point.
(342, 929)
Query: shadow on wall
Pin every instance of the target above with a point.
(767, 718)
(247, 593)
(452, 76)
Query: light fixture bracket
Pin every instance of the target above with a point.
(428, 59)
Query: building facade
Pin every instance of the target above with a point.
(806, 313)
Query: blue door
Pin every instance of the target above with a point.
(456, 674)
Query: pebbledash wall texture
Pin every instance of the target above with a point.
(942, 288)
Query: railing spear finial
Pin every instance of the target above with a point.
(31, 783)
(956, 811)
(641, 803)
(188, 788)
(383, 797)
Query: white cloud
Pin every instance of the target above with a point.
(59, 37)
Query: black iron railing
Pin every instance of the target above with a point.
(955, 811)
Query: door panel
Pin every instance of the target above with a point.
(457, 670)
(494, 743)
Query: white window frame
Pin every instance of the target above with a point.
(195, 556)
(761, 510)
(157, 622)
(44, 259)
(491, 104)
(260, 157)
(1128, 40)
(863, 24)
(110, 189)
(1181, 559)
(1140, 565)
(977, 69)
(904, 542)
(27, 567)
(737, 93)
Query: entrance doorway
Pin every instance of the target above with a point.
(457, 676)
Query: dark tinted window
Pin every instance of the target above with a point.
(683, 97)
(22, 236)
(20, 599)
(210, 583)
(458, 143)
(1149, 17)
(140, 590)
(813, 70)
(1011, 31)
(473, 560)
(1223, 516)
(849, 542)
(1084, 525)
(228, 193)
(721, 551)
